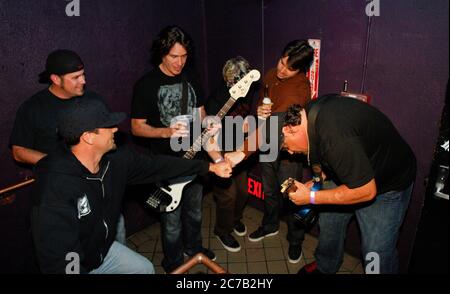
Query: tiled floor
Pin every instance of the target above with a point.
(268, 256)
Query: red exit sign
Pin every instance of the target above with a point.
(254, 188)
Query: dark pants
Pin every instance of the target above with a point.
(231, 196)
(273, 174)
(181, 228)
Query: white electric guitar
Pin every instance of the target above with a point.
(167, 198)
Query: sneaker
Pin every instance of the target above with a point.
(240, 229)
(310, 268)
(229, 243)
(260, 234)
(205, 251)
(295, 253)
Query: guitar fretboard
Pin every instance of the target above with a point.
(205, 135)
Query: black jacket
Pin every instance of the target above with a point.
(76, 211)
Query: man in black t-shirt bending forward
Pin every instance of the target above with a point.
(373, 168)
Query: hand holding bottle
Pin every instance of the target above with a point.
(265, 110)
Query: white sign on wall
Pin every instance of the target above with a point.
(313, 73)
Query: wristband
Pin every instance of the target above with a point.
(312, 197)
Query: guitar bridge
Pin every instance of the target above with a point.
(153, 202)
(159, 200)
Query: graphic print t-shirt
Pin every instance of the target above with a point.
(158, 98)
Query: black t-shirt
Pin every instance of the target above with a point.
(35, 126)
(356, 143)
(157, 98)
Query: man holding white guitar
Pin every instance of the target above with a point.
(169, 90)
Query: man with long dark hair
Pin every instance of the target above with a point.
(171, 89)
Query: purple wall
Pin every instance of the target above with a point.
(232, 28)
(113, 38)
(341, 26)
(407, 75)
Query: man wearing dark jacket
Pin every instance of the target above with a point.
(79, 190)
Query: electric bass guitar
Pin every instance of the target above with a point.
(167, 198)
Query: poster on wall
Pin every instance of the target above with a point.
(313, 73)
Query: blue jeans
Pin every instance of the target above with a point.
(122, 260)
(379, 222)
(181, 228)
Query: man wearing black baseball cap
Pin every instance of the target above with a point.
(34, 132)
(79, 190)
(59, 63)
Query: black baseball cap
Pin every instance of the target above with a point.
(86, 113)
(60, 62)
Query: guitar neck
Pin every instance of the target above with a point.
(197, 146)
